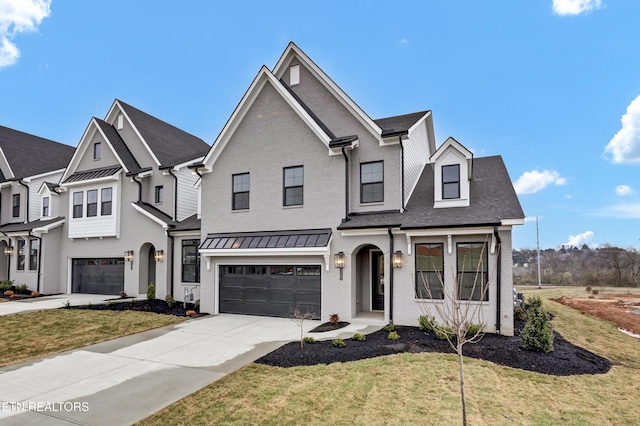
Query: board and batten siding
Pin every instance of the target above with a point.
(97, 226)
(416, 156)
(187, 193)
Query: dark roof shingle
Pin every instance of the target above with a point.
(121, 148)
(398, 124)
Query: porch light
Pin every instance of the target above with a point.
(338, 260)
(8, 251)
(128, 256)
(396, 259)
(158, 255)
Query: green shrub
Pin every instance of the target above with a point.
(151, 292)
(308, 339)
(519, 313)
(474, 329)
(426, 323)
(171, 302)
(23, 289)
(595, 291)
(443, 332)
(588, 289)
(359, 337)
(338, 343)
(389, 327)
(6, 285)
(537, 334)
(591, 296)
(393, 335)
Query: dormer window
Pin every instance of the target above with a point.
(451, 181)
(45, 207)
(96, 150)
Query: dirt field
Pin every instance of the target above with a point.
(617, 308)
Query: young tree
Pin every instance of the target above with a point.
(299, 317)
(458, 311)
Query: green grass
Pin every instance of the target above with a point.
(36, 334)
(423, 389)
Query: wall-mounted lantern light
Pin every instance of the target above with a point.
(158, 255)
(8, 251)
(338, 260)
(396, 259)
(128, 256)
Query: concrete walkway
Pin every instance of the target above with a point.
(124, 380)
(52, 302)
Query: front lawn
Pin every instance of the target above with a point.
(423, 388)
(36, 334)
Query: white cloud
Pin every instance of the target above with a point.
(17, 16)
(623, 190)
(621, 211)
(575, 7)
(625, 145)
(534, 181)
(403, 41)
(579, 240)
(531, 219)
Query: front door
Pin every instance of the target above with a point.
(377, 281)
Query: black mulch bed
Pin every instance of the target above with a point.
(329, 326)
(153, 305)
(565, 360)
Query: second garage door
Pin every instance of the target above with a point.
(270, 290)
(97, 276)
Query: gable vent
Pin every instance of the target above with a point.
(294, 75)
(120, 123)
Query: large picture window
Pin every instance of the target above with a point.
(451, 181)
(472, 271)
(77, 204)
(190, 261)
(92, 203)
(293, 186)
(241, 191)
(429, 271)
(106, 200)
(372, 182)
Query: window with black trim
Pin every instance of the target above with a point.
(190, 261)
(45, 206)
(77, 204)
(293, 193)
(92, 203)
(106, 200)
(473, 263)
(34, 250)
(241, 191)
(97, 147)
(20, 258)
(429, 271)
(372, 182)
(451, 181)
(159, 194)
(16, 205)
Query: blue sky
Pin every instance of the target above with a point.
(551, 85)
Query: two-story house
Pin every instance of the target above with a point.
(30, 218)
(306, 201)
(124, 191)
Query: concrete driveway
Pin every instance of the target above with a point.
(124, 380)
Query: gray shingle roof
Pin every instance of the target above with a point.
(169, 144)
(192, 223)
(157, 213)
(492, 200)
(399, 123)
(30, 155)
(118, 144)
(93, 174)
(20, 227)
(269, 239)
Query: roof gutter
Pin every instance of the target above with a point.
(498, 278)
(347, 215)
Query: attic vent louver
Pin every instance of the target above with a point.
(294, 75)
(120, 123)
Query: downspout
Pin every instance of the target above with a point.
(346, 185)
(498, 278)
(402, 168)
(175, 194)
(26, 216)
(391, 249)
(139, 188)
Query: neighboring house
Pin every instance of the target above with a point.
(30, 218)
(308, 202)
(123, 192)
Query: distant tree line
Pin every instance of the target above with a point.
(603, 266)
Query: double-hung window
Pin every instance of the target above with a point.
(372, 182)
(472, 271)
(190, 261)
(293, 186)
(159, 194)
(34, 249)
(16, 205)
(92, 203)
(241, 191)
(105, 209)
(451, 181)
(429, 271)
(77, 204)
(45, 206)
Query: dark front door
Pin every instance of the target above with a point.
(269, 290)
(97, 276)
(377, 281)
